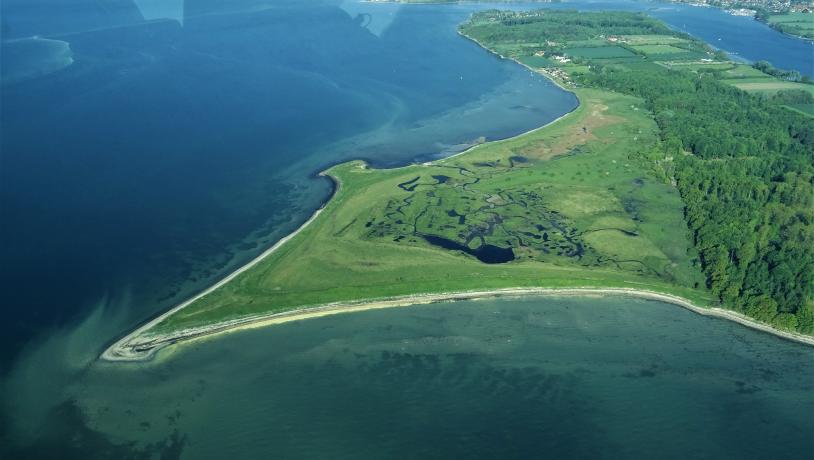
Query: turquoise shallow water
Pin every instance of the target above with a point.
(519, 378)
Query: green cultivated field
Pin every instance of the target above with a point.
(768, 86)
(807, 109)
(536, 61)
(667, 52)
(801, 24)
(590, 43)
(700, 66)
(792, 17)
(658, 49)
(570, 204)
(652, 39)
(744, 71)
(600, 52)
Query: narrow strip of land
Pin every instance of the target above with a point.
(123, 348)
(137, 348)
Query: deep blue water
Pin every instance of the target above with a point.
(147, 147)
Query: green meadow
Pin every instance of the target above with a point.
(792, 17)
(654, 39)
(768, 86)
(807, 109)
(536, 61)
(695, 66)
(744, 71)
(599, 52)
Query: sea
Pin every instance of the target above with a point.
(149, 147)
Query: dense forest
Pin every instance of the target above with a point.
(510, 26)
(744, 169)
(743, 164)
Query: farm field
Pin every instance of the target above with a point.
(744, 71)
(696, 66)
(799, 24)
(652, 40)
(768, 86)
(667, 52)
(658, 49)
(807, 109)
(803, 18)
(536, 61)
(601, 52)
(590, 43)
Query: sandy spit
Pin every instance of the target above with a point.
(143, 346)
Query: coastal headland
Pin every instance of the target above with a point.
(586, 205)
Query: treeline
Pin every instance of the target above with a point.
(745, 169)
(792, 96)
(551, 30)
(792, 28)
(790, 75)
(564, 25)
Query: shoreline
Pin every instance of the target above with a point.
(548, 76)
(110, 352)
(552, 78)
(532, 130)
(129, 349)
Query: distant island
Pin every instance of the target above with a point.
(794, 18)
(681, 176)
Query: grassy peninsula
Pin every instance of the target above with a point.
(666, 179)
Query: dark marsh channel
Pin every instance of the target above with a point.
(486, 253)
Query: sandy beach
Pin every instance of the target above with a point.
(142, 346)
